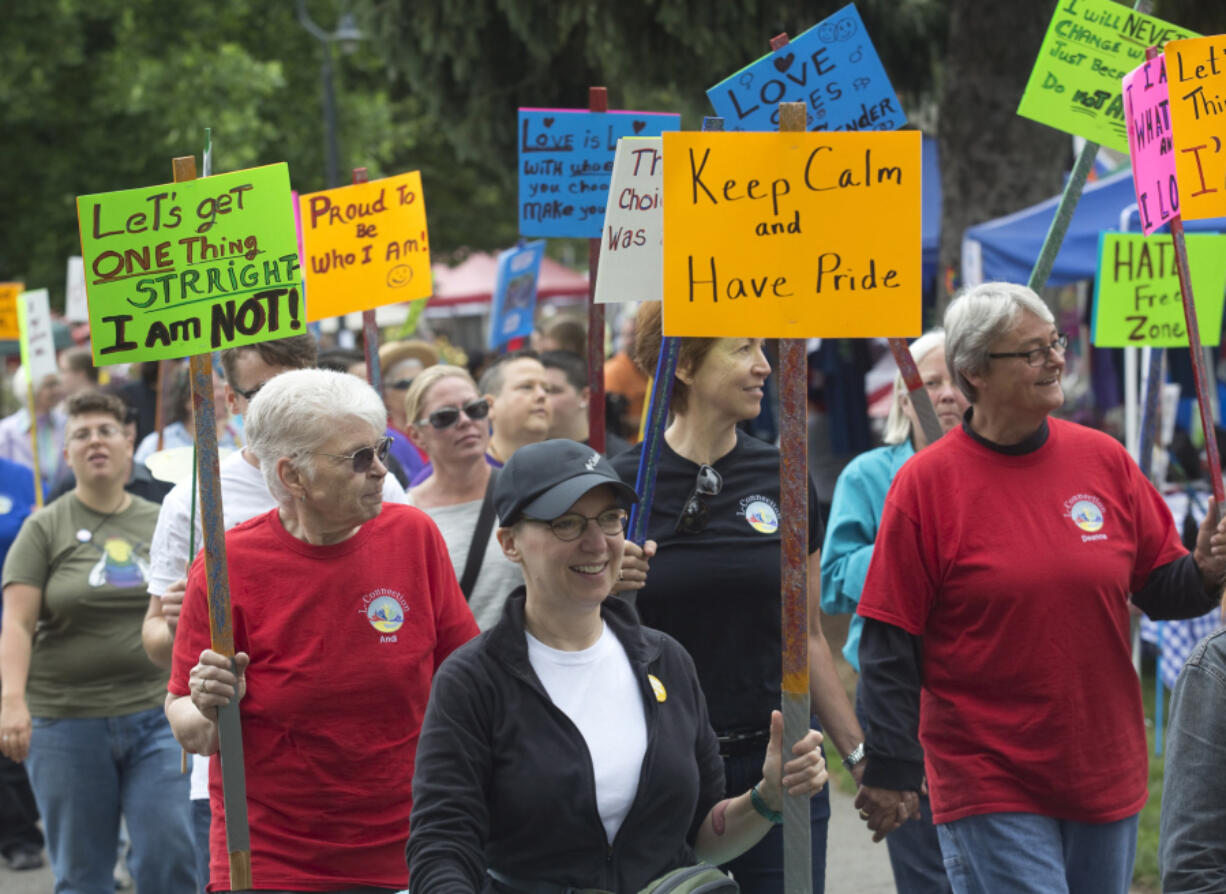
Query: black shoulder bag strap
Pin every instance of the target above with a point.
(481, 538)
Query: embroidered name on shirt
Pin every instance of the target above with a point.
(385, 610)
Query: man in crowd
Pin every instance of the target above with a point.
(516, 387)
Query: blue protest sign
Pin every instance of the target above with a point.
(515, 292)
(832, 68)
(565, 161)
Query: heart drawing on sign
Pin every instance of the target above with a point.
(549, 122)
(783, 63)
(639, 125)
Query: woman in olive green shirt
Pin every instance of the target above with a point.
(80, 701)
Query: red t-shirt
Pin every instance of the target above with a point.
(1016, 571)
(344, 641)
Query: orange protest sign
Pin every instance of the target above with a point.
(792, 235)
(1196, 76)
(365, 245)
(8, 309)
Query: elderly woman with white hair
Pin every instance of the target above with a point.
(855, 516)
(996, 615)
(343, 609)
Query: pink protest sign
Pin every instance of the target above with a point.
(1147, 113)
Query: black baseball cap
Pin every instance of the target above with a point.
(544, 480)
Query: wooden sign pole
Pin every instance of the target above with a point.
(221, 620)
(597, 101)
(370, 329)
(657, 420)
(794, 536)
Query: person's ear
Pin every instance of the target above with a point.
(414, 432)
(231, 400)
(291, 478)
(510, 549)
(585, 396)
(684, 374)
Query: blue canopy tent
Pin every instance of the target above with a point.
(1007, 248)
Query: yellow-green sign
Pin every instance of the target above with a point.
(1090, 45)
(191, 267)
(1137, 300)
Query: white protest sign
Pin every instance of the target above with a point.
(631, 246)
(76, 308)
(37, 345)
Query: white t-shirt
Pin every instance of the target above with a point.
(596, 689)
(498, 575)
(244, 495)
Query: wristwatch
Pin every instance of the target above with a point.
(855, 758)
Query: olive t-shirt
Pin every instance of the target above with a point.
(93, 571)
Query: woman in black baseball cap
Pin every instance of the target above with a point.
(568, 746)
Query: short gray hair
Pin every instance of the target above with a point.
(296, 412)
(898, 425)
(978, 317)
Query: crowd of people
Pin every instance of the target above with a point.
(455, 672)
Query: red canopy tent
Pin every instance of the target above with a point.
(472, 282)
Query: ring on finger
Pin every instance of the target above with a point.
(864, 814)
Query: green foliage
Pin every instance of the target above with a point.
(100, 95)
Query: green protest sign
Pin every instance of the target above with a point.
(1136, 294)
(1090, 45)
(191, 267)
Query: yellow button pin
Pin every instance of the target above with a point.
(657, 687)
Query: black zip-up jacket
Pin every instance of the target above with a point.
(504, 779)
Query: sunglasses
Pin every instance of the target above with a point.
(364, 457)
(247, 395)
(445, 417)
(693, 518)
(400, 384)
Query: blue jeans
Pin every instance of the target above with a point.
(760, 869)
(85, 772)
(915, 855)
(1031, 854)
(202, 817)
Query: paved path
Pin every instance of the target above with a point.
(854, 865)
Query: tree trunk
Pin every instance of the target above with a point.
(993, 161)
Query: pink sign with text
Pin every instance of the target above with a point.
(1147, 112)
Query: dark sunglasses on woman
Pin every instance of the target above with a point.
(445, 417)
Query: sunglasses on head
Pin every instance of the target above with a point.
(693, 518)
(445, 417)
(364, 457)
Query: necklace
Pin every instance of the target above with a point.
(85, 535)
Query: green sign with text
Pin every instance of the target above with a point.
(191, 267)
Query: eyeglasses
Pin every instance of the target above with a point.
(86, 434)
(247, 395)
(400, 384)
(571, 526)
(364, 457)
(1038, 356)
(445, 417)
(693, 518)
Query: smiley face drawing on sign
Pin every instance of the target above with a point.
(400, 276)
